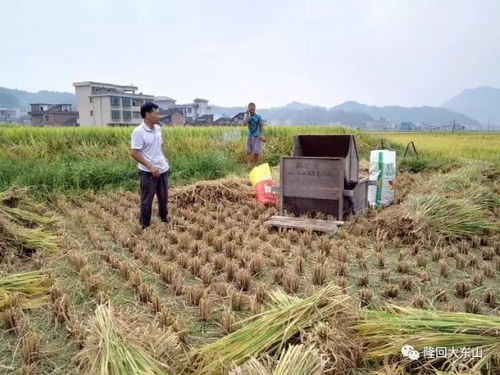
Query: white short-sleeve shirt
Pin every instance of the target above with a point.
(149, 142)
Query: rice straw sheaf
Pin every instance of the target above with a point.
(22, 226)
(475, 182)
(109, 351)
(386, 332)
(295, 360)
(271, 330)
(29, 289)
(452, 218)
(425, 216)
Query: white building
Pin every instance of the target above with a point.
(190, 111)
(164, 102)
(102, 104)
(8, 115)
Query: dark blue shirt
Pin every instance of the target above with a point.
(254, 125)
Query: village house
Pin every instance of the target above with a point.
(171, 116)
(101, 104)
(52, 114)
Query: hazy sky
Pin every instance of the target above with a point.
(381, 52)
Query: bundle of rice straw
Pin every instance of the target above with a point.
(27, 290)
(272, 329)
(452, 218)
(386, 332)
(21, 224)
(109, 351)
(295, 360)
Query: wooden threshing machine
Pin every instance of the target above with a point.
(321, 176)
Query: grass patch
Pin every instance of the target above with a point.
(416, 165)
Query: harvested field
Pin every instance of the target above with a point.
(163, 297)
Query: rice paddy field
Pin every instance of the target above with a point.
(83, 290)
(448, 146)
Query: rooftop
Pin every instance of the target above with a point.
(169, 112)
(139, 95)
(102, 84)
(164, 98)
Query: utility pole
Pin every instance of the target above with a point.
(453, 127)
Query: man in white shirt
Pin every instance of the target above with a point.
(146, 149)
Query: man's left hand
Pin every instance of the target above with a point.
(262, 138)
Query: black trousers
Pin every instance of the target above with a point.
(149, 187)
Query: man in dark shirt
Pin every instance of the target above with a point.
(255, 137)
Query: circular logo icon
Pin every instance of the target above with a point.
(413, 355)
(405, 350)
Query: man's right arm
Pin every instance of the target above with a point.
(137, 156)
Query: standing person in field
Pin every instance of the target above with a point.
(146, 149)
(255, 137)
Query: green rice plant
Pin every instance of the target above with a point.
(416, 165)
(386, 332)
(109, 351)
(29, 289)
(450, 146)
(452, 218)
(72, 159)
(272, 329)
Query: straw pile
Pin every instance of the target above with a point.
(425, 216)
(457, 204)
(270, 331)
(223, 190)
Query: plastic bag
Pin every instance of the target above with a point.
(383, 172)
(262, 183)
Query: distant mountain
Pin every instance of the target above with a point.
(482, 103)
(22, 99)
(353, 114)
(411, 114)
(300, 106)
(300, 114)
(310, 115)
(220, 111)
